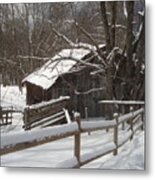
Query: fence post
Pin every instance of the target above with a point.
(131, 122)
(77, 138)
(26, 116)
(123, 125)
(142, 116)
(6, 120)
(1, 115)
(86, 116)
(116, 133)
(11, 116)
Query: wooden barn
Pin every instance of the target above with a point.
(64, 75)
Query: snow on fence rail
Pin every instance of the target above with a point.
(94, 126)
(17, 141)
(130, 115)
(12, 139)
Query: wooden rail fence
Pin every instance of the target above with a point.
(28, 139)
(6, 115)
(46, 113)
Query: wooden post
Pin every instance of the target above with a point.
(116, 133)
(11, 116)
(131, 122)
(123, 112)
(142, 118)
(77, 138)
(6, 117)
(25, 119)
(1, 115)
(107, 129)
(123, 125)
(86, 113)
(86, 117)
(26, 112)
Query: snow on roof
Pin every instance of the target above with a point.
(47, 75)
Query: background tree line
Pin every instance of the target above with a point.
(28, 40)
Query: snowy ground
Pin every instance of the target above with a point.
(57, 154)
(130, 156)
(12, 96)
(17, 123)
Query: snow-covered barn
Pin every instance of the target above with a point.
(65, 75)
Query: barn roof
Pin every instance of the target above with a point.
(47, 75)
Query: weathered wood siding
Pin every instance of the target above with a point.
(66, 86)
(35, 94)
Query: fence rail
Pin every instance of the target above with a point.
(46, 113)
(6, 115)
(23, 140)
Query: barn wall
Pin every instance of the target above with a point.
(82, 82)
(35, 94)
(65, 86)
(86, 82)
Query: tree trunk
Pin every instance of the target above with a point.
(110, 43)
(113, 22)
(129, 52)
(109, 94)
(106, 26)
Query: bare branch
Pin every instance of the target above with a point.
(112, 54)
(5, 60)
(97, 72)
(83, 62)
(89, 91)
(120, 26)
(80, 45)
(87, 35)
(90, 37)
(34, 58)
(139, 34)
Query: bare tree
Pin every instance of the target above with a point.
(32, 33)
